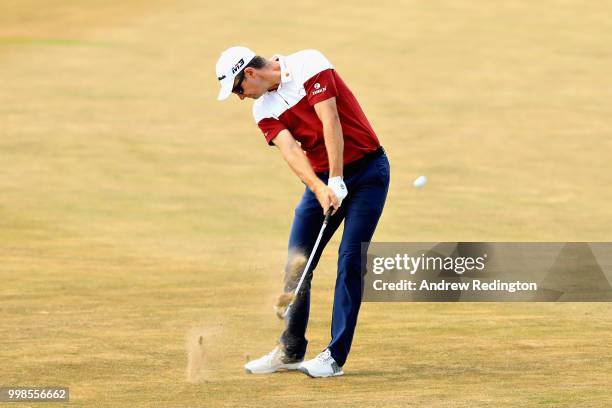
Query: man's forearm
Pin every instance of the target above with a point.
(334, 144)
(327, 112)
(298, 162)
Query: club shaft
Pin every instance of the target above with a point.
(310, 258)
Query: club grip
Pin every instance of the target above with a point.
(328, 215)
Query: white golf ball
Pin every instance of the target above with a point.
(419, 181)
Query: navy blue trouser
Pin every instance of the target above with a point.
(367, 183)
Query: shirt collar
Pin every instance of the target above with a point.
(286, 74)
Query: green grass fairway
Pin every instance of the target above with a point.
(135, 208)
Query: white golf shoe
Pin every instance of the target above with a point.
(272, 362)
(322, 365)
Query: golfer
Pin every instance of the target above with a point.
(304, 108)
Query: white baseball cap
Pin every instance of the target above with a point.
(231, 62)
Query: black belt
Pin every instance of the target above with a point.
(354, 166)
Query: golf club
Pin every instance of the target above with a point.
(310, 258)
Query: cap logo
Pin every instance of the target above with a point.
(317, 85)
(238, 65)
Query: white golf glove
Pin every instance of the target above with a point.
(338, 187)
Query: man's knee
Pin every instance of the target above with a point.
(350, 260)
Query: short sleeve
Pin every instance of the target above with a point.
(320, 87)
(271, 128)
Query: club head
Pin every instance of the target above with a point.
(283, 301)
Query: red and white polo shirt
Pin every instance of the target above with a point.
(307, 77)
